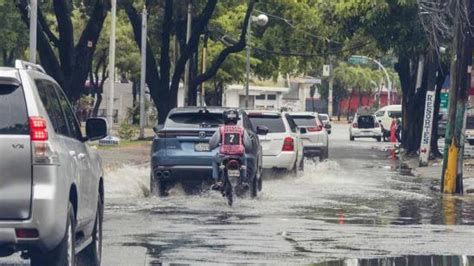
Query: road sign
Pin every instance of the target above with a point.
(358, 60)
(427, 128)
(326, 70)
(444, 100)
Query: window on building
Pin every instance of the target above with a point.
(271, 97)
(260, 97)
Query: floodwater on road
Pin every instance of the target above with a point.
(354, 206)
(354, 209)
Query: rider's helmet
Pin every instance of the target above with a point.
(231, 117)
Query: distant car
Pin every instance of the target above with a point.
(324, 118)
(282, 146)
(384, 117)
(470, 130)
(315, 138)
(51, 182)
(365, 125)
(442, 124)
(180, 150)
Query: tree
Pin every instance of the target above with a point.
(14, 34)
(66, 59)
(162, 81)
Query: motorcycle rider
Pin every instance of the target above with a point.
(230, 145)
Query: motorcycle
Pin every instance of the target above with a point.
(230, 176)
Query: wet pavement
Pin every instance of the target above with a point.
(355, 206)
(355, 209)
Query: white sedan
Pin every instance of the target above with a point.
(282, 146)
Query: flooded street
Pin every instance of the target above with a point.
(355, 209)
(355, 206)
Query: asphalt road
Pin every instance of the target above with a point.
(357, 208)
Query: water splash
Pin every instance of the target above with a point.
(127, 181)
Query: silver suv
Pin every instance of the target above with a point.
(51, 187)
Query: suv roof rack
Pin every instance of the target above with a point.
(20, 64)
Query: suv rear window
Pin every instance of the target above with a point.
(194, 120)
(304, 120)
(13, 112)
(274, 123)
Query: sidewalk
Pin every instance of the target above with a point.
(434, 169)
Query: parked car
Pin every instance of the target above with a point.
(365, 125)
(442, 124)
(180, 150)
(51, 182)
(470, 130)
(326, 120)
(315, 139)
(282, 146)
(384, 117)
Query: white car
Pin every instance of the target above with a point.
(314, 134)
(282, 146)
(326, 120)
(365, 126)
(384, 116)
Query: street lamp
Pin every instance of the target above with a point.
(261, 21)
(362, 59)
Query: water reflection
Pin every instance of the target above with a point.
(405, 261)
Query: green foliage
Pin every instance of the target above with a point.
(127, 131)
(14, 33)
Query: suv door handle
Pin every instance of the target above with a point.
(81, 156)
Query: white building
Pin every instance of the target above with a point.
(290, 93)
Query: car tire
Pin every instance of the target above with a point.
(93, 252)
(65, 252)
(471, 142)
(379, 139)
(301, 166)
(351, 138)
(254, 186)
(157, 187)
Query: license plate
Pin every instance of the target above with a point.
(233, 173)
(201, 147)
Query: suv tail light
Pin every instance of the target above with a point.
(288, 144)
(41, 148)
(377, 124)
(355, 125)
(38, 131)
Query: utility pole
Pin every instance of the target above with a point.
(187, 68)
(331, 85)
(110, 106)
(452, 175)
(247, 65)
(143, 74)
(203, 70)
(33, 29)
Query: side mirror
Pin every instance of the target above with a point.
(303, 131)
(157, 128)
(262, 130)
(96, 129)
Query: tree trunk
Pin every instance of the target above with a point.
(98, 102)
